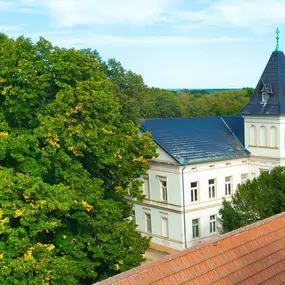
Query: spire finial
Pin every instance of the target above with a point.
(277, 40)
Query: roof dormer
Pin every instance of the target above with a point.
(268, 97)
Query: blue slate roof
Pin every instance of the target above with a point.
(273, 76)
(202, 139)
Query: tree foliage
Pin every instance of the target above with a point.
(255, 200)
(159, 103)
(227, 102)
(69, 154)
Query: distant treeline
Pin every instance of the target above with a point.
(160, 103)
(139, 101)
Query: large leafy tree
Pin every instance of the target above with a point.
(128, 86)
(68, 157)
(160, 103)
(255, 200)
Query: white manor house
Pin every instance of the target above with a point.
(202, 160)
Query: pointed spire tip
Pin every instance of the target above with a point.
(277, 40)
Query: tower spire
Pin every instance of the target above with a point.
(277, 40)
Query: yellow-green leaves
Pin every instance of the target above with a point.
(69, 153)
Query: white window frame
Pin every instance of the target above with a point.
(197, 228)
(213, 224)
(163, 189)
(134, 215)
(264, 96)
(146, 181)
(228, 186)
(162, 220)
(148, 227)
(243, 179)
(212, 188)
(194, 192)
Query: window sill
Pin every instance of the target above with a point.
(195, 238)
(268, 147)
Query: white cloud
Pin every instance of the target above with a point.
(67, 39)
(186, 27)
(11, 28)
(242, 13)
(68, 13)
(6, 5)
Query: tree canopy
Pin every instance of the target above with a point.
(255, 200)
(69, 154)
(228, 102)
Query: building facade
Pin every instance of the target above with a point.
(202, 160)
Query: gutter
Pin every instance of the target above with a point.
(184, 209)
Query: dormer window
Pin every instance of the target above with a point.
(264, 97)
(265, 91)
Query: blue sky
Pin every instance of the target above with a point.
(172, 43)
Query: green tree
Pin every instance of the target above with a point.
(128, 86)
(255, 200)
(160, 103)
(69, 155)
(228, 102)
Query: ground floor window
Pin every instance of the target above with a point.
(213, 222)
(147, 218)
(195, 228)
(164, 227)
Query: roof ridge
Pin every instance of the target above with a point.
(254, 225)
(199, 247)
(185, 118)
(277, 79)
(160, 144)
(208, 259)
(234, 135)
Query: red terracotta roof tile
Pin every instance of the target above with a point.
(251, 255)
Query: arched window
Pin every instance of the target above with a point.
(252, 136)
(262, 136)
(273, 137)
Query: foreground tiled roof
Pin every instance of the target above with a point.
(251, 255)
(194, 140)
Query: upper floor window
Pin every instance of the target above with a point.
(163, 189)
(243, 178)
(147, 220)
(213, 220)
(228, 185)
(146, 188)
(195, 228)
(212, 188)
(252, 136)
(194, 191)
(164, 227)
(263, 137)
